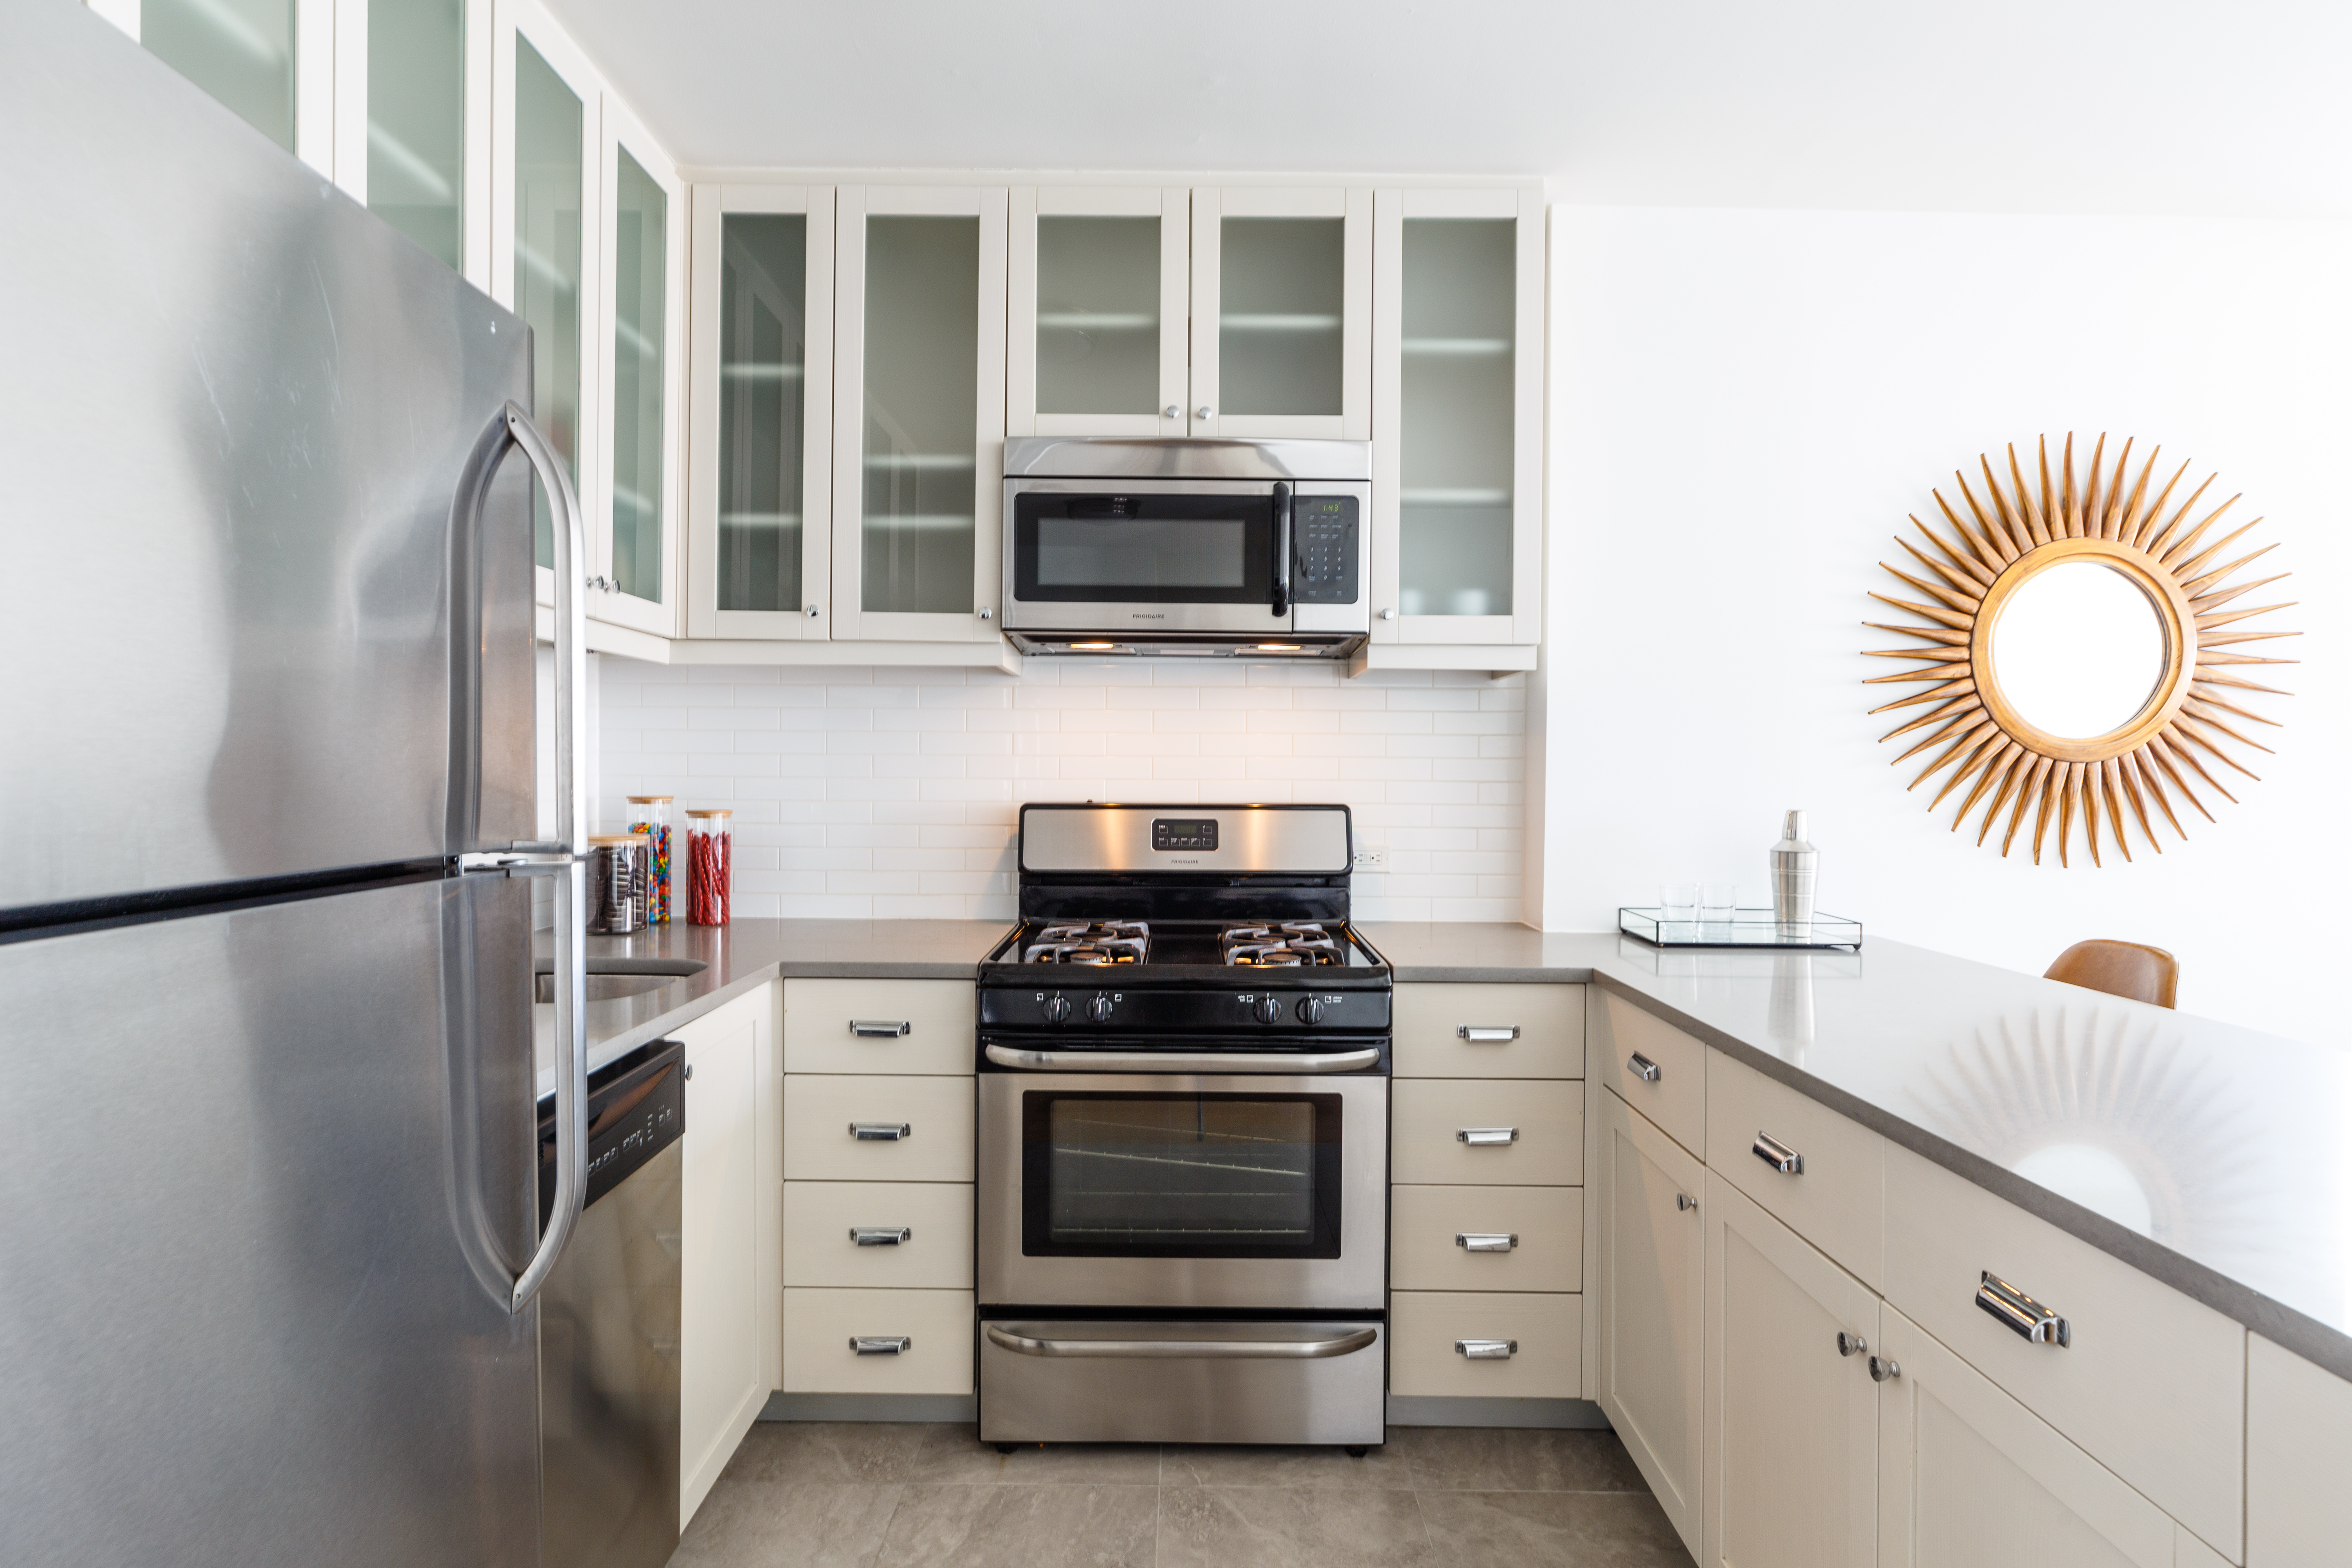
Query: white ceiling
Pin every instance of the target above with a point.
(2095, 106)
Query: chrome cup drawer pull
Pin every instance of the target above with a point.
(1485, 1241)
(2029, 1318)
(881, 1132)
(1486, 1350)
(881, 1235)
(880, 1344)
(1486, 1137)
(881, 1028)
(1486, 1034)
(1778, 1155)
(1642, 1068)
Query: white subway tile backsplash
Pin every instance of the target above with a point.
(891, 793)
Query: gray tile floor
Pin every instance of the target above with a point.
(858, 1496)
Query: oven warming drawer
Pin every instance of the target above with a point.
(1052, 1380)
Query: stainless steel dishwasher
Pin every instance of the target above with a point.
(608, 1325)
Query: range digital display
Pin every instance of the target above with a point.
(1184, 833)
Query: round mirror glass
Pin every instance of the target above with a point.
(2078, 650)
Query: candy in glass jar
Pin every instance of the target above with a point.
(710, 866)
(649, 815)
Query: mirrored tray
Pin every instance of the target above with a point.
(1746, 928)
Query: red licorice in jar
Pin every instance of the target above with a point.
(710, 867)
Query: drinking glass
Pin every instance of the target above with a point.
(1678, 902)
(1718, 903)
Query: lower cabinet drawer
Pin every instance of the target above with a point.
(1656, 1069)
(1487, 1132)
(1836, 1198)
(902, 1235)
(824, 1115)
(821, 1326)
(1547, 1333)
(1527, 1238)
(2149, 1383)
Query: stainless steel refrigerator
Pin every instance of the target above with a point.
(268, 1238)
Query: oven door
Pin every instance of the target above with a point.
(1241, 1190)
(1163, 555)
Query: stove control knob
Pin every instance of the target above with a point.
(1269, 1010)
(1310, 1011)
(1057, 1008)
(1099, 1009)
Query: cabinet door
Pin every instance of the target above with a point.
(919, 438)
(761, 537)
(544, 264)
(1967, 1476)
(1095, 302)
(1651, 1261)
(721, 1380)
(1457, 399)
(408, 139)
(635, 534)
(1282, 296)
(1791, 1412)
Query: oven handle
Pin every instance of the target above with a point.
(1192, 1350)
(1179, 1061)
(1281, 551)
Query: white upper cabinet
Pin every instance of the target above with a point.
(635, 549)
(1095, 305)
(1457, 399)
(761, 489)
(919, 396)
(1282, 313)
(545, 209)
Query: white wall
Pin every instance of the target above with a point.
(1746, 406)
(861, 792)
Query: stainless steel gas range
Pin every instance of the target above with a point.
(1183, 1134)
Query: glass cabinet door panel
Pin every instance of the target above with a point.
(920, 413)
(640, 369)
(548, 159)
(1282, 292)
(240, 51)
(416, 120)
(762, 370)
(1097, 315)
(1455, 417)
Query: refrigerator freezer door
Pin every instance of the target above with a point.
(268, 1173)
(235, 417)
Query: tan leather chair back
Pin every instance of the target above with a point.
(2119, 969)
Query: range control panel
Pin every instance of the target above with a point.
(1111, 1008)
(1184, 833)
(1323, 534)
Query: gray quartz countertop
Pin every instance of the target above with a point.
(2216, 1159)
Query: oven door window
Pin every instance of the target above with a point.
(1143, 549)
(1179, 1175)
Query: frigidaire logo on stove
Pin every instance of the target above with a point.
(1143, 616)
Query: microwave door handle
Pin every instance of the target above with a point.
(1281, 550)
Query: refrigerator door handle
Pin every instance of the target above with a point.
(571, 873)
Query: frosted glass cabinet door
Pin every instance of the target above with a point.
(416, 123)
(1282, 297)
(636, 548)
(918, 434)
(546, 212)
(1459, 390)
(762, 445)
(1094, 300)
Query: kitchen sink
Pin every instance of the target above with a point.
(618, 979)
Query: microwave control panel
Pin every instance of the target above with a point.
(1323, 531)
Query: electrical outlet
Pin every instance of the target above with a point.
(1369, 859)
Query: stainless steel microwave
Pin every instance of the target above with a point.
(1204, 548)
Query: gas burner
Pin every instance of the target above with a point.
(1094, 942)
(1288, 945)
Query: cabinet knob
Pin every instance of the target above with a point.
(1850, 1344)
(1684, 1203)
(1203, 411)
(1388, 615)
(986, 614)
(1173, 411)
(812, 612)
(1882, 1368)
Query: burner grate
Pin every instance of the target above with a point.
(1095, 943)
(1299, 944)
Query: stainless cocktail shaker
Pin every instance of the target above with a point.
(1795, 864)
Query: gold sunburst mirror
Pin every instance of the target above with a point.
(2080, 662)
